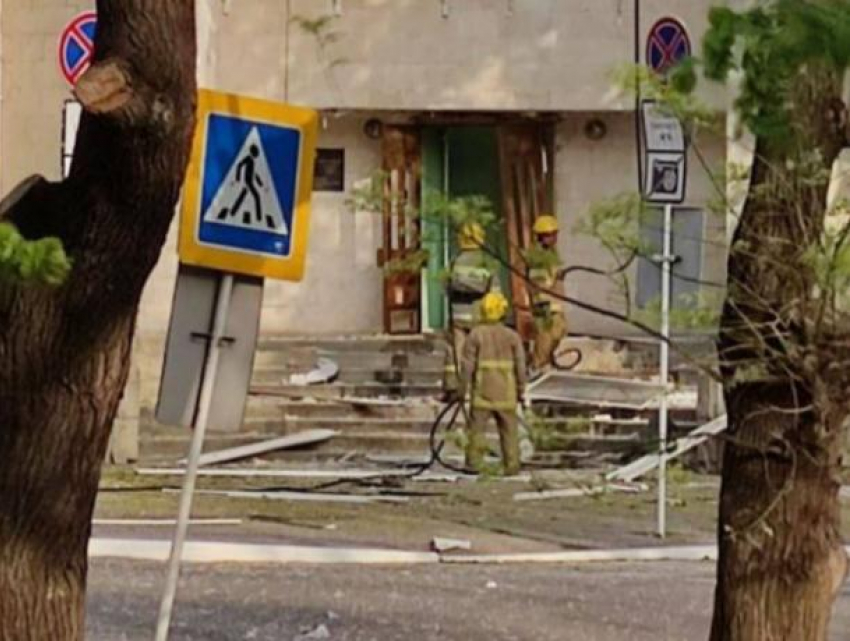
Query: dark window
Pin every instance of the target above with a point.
(329, 174)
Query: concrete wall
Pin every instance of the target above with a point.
(589, 171)
(484, 54)
(33, 89)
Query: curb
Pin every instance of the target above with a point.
(686, 553)
(219, 552)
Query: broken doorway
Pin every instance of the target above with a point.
(511, 165)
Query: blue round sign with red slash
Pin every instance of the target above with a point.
(76, 46)
(666, 45)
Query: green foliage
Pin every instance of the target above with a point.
(688, 312)
(39, 261)
(674, 94)
(616, 222)
(770, 45)
(438, 211)
(537, 257)
(368, 196)
(457, 211)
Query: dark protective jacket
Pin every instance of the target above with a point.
(493, 367)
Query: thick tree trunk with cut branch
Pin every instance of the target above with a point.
(64, 352)
(782, 561)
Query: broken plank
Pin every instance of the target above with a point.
(573, 492)
(649, 462)
(310, 437)
(315, 497)
(308, 474)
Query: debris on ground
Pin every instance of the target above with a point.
(630, 488)
(309, 437)
(315, 497)
(649, 462)
(439, 544)
(319, 632)
(326, 371)
(339, 474)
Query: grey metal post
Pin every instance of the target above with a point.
(667, 259)
(222, 306)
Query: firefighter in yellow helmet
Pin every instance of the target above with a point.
(546, 273)
(494, 375)
(470, 279)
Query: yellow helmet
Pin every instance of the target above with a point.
(471, 236)
(546, 224)
(494, 306)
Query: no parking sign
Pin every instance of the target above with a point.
(667, 44)
(76, 46)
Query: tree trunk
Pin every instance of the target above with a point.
(781, 559)
(65, 352)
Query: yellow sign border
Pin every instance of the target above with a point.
(191, 250)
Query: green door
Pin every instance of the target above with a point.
(457, 161)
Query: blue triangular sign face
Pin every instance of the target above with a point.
(250, 173)
(247, 199)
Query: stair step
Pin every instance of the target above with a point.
(347, 425)
(354, 375)
(370, 343)
(269, 407)
(299, 361)
(338, 390)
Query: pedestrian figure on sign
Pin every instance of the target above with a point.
(246, 173)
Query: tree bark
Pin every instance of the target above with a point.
(65, 352)
(781, 559)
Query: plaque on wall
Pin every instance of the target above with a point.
(329, 174)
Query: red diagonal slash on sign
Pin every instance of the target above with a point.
(666, 44)
(75, 36)
(668, 51)
(87, 45)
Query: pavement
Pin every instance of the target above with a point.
(610, 602)
(596, 602)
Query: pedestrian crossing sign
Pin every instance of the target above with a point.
(246, 201)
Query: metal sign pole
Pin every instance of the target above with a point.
(222, 306)
(666, 262)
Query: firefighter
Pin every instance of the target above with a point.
(547, 275)
(469, 280)
(494, 375)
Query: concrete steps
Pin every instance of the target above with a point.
(384, 401)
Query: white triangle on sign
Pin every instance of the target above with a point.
(247, 197)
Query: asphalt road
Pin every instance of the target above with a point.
(634, 602)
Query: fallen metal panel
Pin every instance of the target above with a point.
(310, 497)
(597, 391)
(310, 437)
(649, 462)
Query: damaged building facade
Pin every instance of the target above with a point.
(509, 99)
